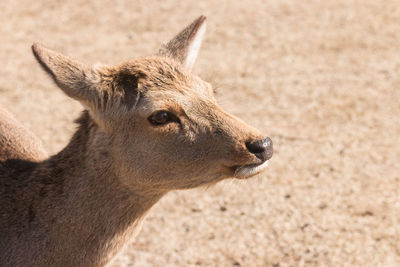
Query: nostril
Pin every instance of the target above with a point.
(255, 147)
(262, 149)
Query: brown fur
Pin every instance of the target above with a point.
(18, 142)
(80, 206)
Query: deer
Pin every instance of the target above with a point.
(149, 126)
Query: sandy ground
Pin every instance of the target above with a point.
(321, 78)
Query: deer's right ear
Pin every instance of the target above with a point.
(185, 46)
(74, 78)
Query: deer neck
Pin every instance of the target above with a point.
(95, 213)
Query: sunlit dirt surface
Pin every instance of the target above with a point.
(321, 78)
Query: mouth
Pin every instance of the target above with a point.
(246, 171)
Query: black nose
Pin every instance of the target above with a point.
(262, 149)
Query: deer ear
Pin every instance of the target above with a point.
(185, 46)
(74, 78)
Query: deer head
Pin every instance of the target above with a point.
(159, 122)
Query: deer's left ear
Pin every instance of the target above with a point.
(185, 46)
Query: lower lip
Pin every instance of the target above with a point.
(249, 170)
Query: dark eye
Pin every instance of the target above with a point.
(162, 117)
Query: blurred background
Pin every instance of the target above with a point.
(321, 78)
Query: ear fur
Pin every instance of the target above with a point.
(100, 89)
(185, 46)
(74, 78)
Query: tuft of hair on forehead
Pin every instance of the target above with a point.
(154, 71)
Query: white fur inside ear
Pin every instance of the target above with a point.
(84, 105)
(194, 47)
